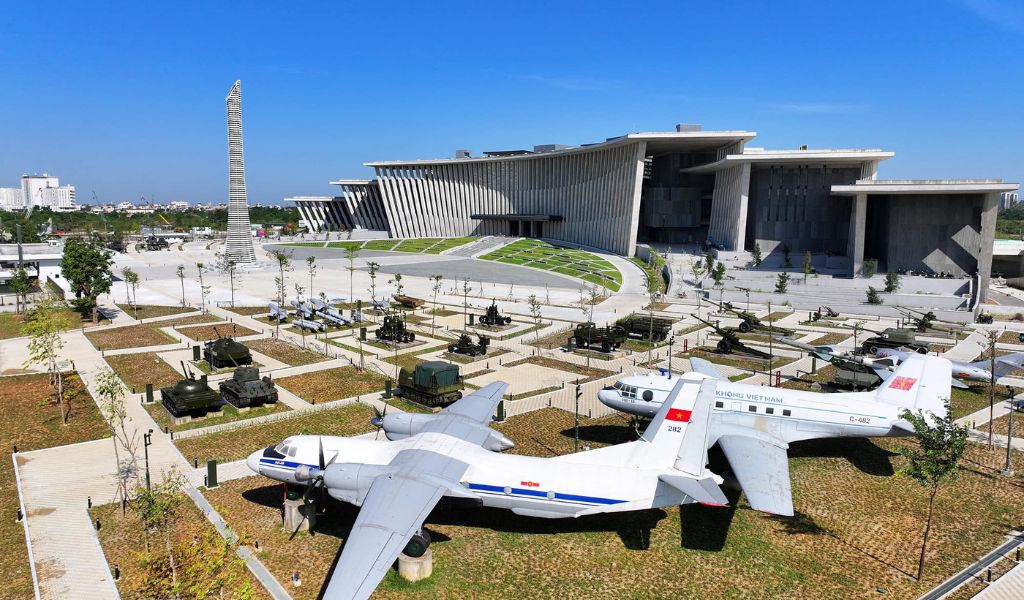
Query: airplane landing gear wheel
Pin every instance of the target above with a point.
(417, 545)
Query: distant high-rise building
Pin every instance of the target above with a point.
(239, 243)
(11, 198)
(39, 191)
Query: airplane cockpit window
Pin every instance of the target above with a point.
(292, 451)
(627, 391)
(617, 385)
(281, 448)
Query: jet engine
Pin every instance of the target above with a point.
(349, 482)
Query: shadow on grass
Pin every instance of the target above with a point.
(602, 434)
(862, 453)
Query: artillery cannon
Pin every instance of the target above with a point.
(923, 321)
(652, 329)
(246, 389)
(409, 301)
(190, 397)
(608, 338)
(749, 321)
(730, 342)
(431, 383)
(824, 312)
(891, 337)
(393, 329)
(494, 318)
(465, 345)
(225, 352)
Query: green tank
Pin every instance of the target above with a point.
(893, 337)
(156, 243)
(226, 352)
(588, 334)
(393, 330)
(431, 383)
(246, 389)
(493, 317)
(466, 346)
(190, 397)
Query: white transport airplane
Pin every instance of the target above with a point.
(754, 425)
(398, 481)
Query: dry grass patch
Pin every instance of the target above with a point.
(812, 382)
(11, 324)
(1000, 424)
(136, 370)
(739, 361)
(332, 384)
(202, 333)
(236, 444)
(139, 336)
(248, 311)
(286, 352)
(587, 373)
(227, 414)
(31, 422)
(1010, 337)
(830, 339)
(149, 311)
(556, 339)
(964, 402)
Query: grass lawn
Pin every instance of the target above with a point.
(587, 373)
(11, 324)
(858, 528)
(415, 245)
(236, 444)
(829, 339)
(284, 351)
(145, 334)
(332, 384)
(1000, 424)
(806, 382)
(136, 370)
(124, 541)
(964, 402)
(735, 360)
(202, 333)
(655, 280)
(30, 421)
(1009, 337)
(227, 414)
(556, 339)
(247, 311)
(568, 261)
(148, 311)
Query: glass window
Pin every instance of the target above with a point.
(719, 404)
(752, 408)
(786, 412)
(292, 451)
(648, 395)
(770, 410)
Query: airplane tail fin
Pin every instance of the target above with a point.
(919, 383)
(1004, 364)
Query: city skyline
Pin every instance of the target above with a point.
(142, 118)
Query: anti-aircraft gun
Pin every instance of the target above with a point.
(190, 397)
(925, 321)
(852, 371)
(465, 345)
(608, 338)
(393, 329)
(246, 389)
(225, 352)
(731, 342)
(494, 318)
(749, 321)
(890, 337)
(824, 312)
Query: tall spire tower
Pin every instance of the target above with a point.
(239, 231)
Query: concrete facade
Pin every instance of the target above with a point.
(683, 187)
(239, 242)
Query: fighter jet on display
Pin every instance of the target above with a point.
(754, 425)
(975, 372)
(454, 453)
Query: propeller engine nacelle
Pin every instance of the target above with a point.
(399, 426)
(349, 482)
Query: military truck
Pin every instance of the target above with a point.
(731, 342)
(646, 327)
(494, 318)
(156, 243)
(393, 329)
(465, 345)
(190, 397)
(892, 337)
(608, 338)
(431, 383)
(246, 389)
(409, 301)
(225, 352)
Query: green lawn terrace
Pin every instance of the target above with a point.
(559, 259)
(414, 245)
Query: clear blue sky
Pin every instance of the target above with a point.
(129, 100)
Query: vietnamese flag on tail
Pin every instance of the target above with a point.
(678, 414)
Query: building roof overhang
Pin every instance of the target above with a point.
(657, 142)
(924, 186)
(782, 157)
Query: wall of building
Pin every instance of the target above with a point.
(675, 206)
(794, 205)
(597, 194)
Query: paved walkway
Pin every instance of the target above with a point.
(1015, 539)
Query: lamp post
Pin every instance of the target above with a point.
(147, 441)
(671, 340)
(1009, 436)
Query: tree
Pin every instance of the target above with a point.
(465, 302)
(755, 253)
(111, 401)
(397, 281)
(808, 265)
(785, 256)
(873, 297)
(180, 272)
(535, 312)
(869, 268)
(782, 283)
(350, 256)
(892, 282)
(709, 261)
(697, 269)
(311, 267)
(46, 323)
(372, 268)
(21, 285)
(131, 284)
(86, 266)
(204, 290)
(231, 266)
(719, 274)
(284, 263)
(436, 287)
(941, 444)
(158, 507)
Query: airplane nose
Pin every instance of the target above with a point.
(253, 461)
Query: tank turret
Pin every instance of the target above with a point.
(246, 389)
(226, 352)
(190, 396)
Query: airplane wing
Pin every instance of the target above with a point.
(762, 468)
(392, 511)
(464, 418)
(704, 367)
